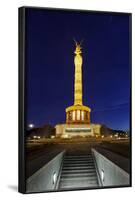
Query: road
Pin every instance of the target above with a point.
(38, 154)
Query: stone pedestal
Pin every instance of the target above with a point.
(74, 130)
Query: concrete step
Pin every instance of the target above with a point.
(76, 171)
(78, 167)
(77, 164)
(78, 156)
(70, 176)
(78, 184)
(77, 161)
(84, 159)
(68, 187)
(79, 179)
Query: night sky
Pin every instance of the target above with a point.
(50, 65)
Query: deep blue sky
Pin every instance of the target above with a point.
(50, 66)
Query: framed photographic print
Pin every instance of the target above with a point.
(74, 100)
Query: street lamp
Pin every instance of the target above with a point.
(31, 126)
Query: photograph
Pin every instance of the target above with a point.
(75, 99)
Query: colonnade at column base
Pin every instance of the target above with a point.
(78, 114)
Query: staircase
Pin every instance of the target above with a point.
(78, 171)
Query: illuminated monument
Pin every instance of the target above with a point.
(77, 115)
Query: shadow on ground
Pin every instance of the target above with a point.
(13, 187)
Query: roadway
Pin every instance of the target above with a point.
(38, 154)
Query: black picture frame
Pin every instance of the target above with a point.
(23, 94)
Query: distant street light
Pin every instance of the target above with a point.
(31, 125)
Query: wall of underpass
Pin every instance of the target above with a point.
(45, 179)
(109, 173)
